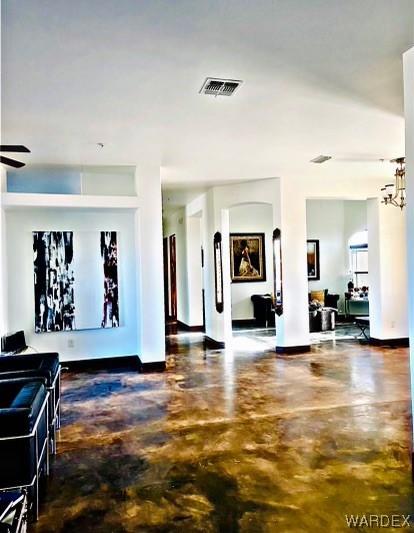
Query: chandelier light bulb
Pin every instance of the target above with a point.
(394, 193)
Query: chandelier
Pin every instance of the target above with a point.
(394, 193)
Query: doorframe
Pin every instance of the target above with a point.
(172, 277)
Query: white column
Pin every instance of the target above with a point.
(218, 325)
(292, 328)
(409, 155)
(387, 257)
(226, 321)
(194, 271)
(3, 259)
(409, 168)
(150, 260)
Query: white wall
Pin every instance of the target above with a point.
(194, 271)
(252, 218)
(333, 222)
(3, 258)
(409, 155)
(355, 212)
(387, 271)
(108, 181)
(325, 220)
(20, 223)
(149, 255)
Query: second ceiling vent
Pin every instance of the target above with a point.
(321, 159)
(220, 87)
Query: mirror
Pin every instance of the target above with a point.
(218, 272)
(277, 269)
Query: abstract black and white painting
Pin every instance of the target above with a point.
(53, 281)
(76, 280)
(109, 255)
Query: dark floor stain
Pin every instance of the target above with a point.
(234, 442)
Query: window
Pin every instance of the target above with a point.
(359, 266)
(358, 258)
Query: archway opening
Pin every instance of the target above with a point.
(251, 228)
(337, 254)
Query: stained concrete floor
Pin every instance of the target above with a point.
(243, 442)
(262, 339)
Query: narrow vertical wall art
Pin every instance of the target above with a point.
(109, 255)
(53, 281)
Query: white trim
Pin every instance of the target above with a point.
(15, 200)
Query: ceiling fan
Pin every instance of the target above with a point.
(355, 157)
(13, 148)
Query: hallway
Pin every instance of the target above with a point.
(250, 442)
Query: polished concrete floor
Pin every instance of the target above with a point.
(260, 339)
(230, 442)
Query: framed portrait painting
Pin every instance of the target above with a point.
(313, 259)
(247, 257)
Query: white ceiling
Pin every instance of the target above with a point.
(320, 77)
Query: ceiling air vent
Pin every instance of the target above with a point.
(220, 87)
(321, 159)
